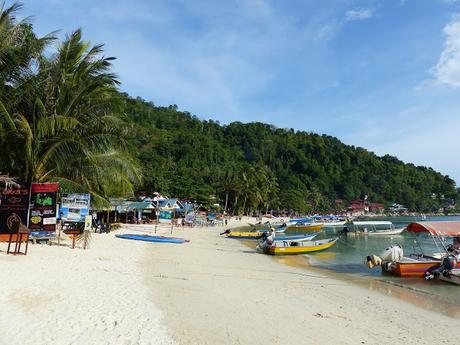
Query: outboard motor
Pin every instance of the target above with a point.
(448, 263)
(373, 261)
(392, 253)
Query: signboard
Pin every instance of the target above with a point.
(42, 215)
(74, 207)
(88, 223)
(166, 215)
(14, 205)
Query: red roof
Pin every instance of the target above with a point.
(449, 229)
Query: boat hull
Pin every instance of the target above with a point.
(244, 235)
(452, 276)
(411, 267)
(378, 232)
(297, 238)
(312, 227)
(312, 247)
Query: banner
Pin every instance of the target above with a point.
(42, 216)
(14, 204)
(74, 207)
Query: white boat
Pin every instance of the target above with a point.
(451, 276)
(332, 223)
(375, 228)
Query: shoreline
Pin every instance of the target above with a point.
(215, 290)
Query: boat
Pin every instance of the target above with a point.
(277, 230)
(255, 235)
(300, 220)
(393, 261)
(374, 228)
(260, 225)
(329, 221)
(305, 226)
(251, 235)
(296, 238)
(302, 247)
(150, 238)
(451, 276)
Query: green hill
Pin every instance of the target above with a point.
(256, 166)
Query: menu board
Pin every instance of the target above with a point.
(14, 204)
(42, 216)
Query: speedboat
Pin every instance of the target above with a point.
(374, 228)
(393, 261)
(299, 247)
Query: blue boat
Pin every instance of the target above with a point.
(149, 238)
(277, 230)
(301, 237)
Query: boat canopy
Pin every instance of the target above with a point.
(448, 229)
(373, 223)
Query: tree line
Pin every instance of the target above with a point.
(63, 118)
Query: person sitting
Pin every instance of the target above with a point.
(269, 239)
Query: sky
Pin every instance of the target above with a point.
(380, 74)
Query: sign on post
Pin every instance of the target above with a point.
(14, 205)
(42, 214)
(74, 209)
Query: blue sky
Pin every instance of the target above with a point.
(381, 74)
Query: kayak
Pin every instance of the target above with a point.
(149, 238)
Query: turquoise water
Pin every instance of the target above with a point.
(346, 261)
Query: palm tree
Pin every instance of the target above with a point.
(63, 124)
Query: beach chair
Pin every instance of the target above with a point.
(19, 233)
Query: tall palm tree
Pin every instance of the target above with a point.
(64, 125)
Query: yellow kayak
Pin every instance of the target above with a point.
(309, 227)
(292, 248)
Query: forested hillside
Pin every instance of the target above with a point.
(257, 166)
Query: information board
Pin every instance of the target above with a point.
(14, 205)
(42, 215)
(74, 207)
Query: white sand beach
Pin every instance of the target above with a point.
(212, 290)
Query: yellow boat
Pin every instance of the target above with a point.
(292, 248)
(306, 227)
(244, 234)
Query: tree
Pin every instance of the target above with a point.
(62, 124)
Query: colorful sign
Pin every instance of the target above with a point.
(42, 215)
(166, 215)
(74, 207)
(14, 205)
(88, 223)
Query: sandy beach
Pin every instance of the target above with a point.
(212, 290)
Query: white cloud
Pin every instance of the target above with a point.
(361, 14)
(447, 70)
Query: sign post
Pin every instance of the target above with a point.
(42, 212)
(74, 209)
